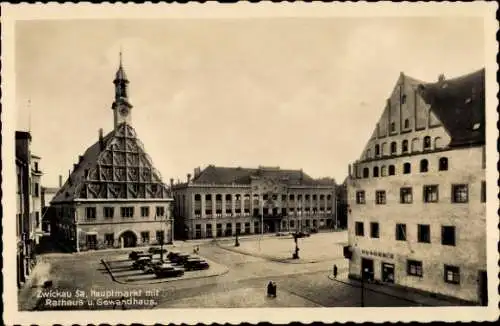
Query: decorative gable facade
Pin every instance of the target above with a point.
(113, 197)
(417, 193)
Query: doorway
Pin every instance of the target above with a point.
(91, 241)
(129, 239)
(483, 288)
(367, 269)
(387, 273)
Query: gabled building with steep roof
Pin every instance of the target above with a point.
(225, 201)
(417, 194)
(113, 197)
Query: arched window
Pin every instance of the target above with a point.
(424, 165)
(393, 148)
(375, 171)
(368, 154)
(427, 142)
(208, 197)
(383, 171)
(228, 197)
(384, 149)
(438, 142)
(392, 170)
(377, 150)
(404, 146)
(218, 197)
(415, 145)
(407, 168)
(197, 197)
(443, 164)
(366, 173)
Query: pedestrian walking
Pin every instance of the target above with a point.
(335, 271)
(270, 289)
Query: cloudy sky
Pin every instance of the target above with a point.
(289, 92)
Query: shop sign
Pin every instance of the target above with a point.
(377, 253)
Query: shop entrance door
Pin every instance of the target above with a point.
(367, 269)
(91, 241)
(387, 273)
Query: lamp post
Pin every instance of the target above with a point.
(363, 273)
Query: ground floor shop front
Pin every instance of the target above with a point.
(464, 281)
(82, 237)
(227, 227)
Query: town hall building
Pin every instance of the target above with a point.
(113, 197)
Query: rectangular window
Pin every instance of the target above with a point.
(460, 193)
(109, 239)
(109, 212)
(431, 194)
(145, 236)
(197, 213)
(483, 191)
(160, 211)
(208, 212)
(37, 190)
(424, 233)
(414, 268)
(374, 230)
(144, 211)
(360, 197)
(160, 236)
(127, 211)
(380, 197)
(451, 274)
(401, 232)
(448, 235)
(360, 230)
(90, 213)
(406, 195)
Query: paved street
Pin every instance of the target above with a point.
(244, 285)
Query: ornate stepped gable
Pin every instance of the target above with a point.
(115, 168)
(456, 104)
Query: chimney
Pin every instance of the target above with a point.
(188, 178)
(197, 171)
(171, 182)
(101, 139)
(60, 181)
(441, 78)
(350, 170)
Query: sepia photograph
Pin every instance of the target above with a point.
(205, 163)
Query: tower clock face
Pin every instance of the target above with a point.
(123, 110)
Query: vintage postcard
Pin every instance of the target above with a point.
(249, 162)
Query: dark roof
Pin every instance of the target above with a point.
(459, 103)
(237, 175)
(69, 190)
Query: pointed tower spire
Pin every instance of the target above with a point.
(121, 105)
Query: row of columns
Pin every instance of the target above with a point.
(284, 204)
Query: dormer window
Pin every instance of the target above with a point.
(377, 150)
(427, 142)
(407, 123)
(404, 146)
(393, 127)
(403, 99)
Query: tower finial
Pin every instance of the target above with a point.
(121, 56)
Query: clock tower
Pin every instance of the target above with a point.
(122, 109)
